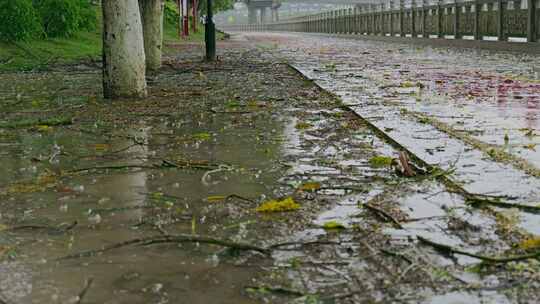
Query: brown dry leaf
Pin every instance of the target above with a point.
(311, 186)
(404, 161)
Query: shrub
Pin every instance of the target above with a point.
(18, 20)
(60, 18)
(171, 14)
(88, 15)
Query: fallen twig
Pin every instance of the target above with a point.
(475, 200)
(161, 239)
(277, 290)
(164, 164)
(488, 259)
(233, 196)
(85, 289)
(288, 244)
(206, 176)
(406, 167)
(53, 229)
(384, 215)
(118, 167)
(397, 255)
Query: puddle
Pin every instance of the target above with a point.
(491, 95)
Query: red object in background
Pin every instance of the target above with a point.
(183, 23)
(194, 15)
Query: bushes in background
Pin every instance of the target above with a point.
(63, 18)
(171, 14)
(18, 20)
(24, 19)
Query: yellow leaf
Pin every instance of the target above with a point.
(44, 128)
(333, 225)
(3, 227)
(202, 136)
(530, 147)
(46, 179)
(215, 198)
(530, 243)
(303, 125)
(287, 204)
(157, 195)
(407, 84)
(24, 188)
(101, 147)
(380, 161)
(312, 186)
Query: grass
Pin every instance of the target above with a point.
(39, 53)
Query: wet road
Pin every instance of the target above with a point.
(474, 112)
(265, 134)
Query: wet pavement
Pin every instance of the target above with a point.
(156, 200)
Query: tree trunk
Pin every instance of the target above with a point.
(152, 19)
(123, 50)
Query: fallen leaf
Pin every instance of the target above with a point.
(303, 125)
(380, 161)
(287, 204)
(333, 225)
(530, 243)
(215, 198)
(312, 186)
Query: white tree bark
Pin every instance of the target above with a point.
(123, 50)
(152, 19)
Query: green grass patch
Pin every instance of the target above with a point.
(170, 34)
(35, 54)
(55, 121)
(40, 53)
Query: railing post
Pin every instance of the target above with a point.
(365, 20)
(355, 20)
(531, 21)
(374, 19)
(349, 21)
(500, 21)
(359, 20)
(340, 22)
(392, 34)
(413, 19)
(457, 12)
(425, 10)
(369, 27)
(381, 20)
(401, 21)
(328, 22)
(476, 20)
(335, 22)
(440, 13)
(323, 22)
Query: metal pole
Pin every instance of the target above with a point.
(210, 33)
(531, 20)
